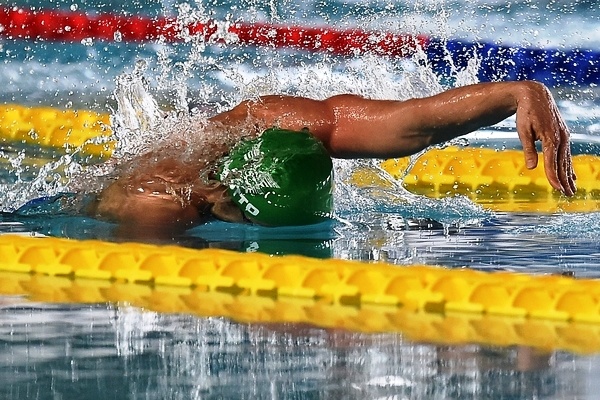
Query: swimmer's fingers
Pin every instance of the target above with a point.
(566, 174)
(558, 164)
(527, 137)
(551, 165)
(572, 177)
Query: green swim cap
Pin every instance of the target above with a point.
(280, 178)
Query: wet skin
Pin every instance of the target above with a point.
(169, 195)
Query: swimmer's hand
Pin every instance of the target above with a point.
(538, 118)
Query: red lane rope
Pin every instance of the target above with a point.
(344, 42)
(20, 23)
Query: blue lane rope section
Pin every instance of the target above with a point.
(553, 67)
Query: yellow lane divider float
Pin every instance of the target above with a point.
(498, 180)
(64, 130)
(422, 302)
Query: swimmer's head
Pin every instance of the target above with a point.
(281, 178)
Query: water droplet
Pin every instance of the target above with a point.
(140, 66)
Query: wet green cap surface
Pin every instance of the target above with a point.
(281, 178)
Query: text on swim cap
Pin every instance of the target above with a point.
(248, 207)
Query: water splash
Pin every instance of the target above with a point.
(137, 113)
(388, 196)
(142, 122)
(32, 181)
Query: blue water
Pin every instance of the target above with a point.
(114, 351)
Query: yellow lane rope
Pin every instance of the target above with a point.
(496, 179)
(425, 303)
(66, 130)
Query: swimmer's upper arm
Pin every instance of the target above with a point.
(348, 125)
(286, 112)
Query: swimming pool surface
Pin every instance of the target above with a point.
(114, 349)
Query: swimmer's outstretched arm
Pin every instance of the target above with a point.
(351, 126)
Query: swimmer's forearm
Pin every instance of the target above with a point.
(463, 110)
(466, 109)
(372, 128)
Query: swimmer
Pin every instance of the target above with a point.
(161, 190)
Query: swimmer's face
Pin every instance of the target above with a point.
(165, 192)
(148, 208)
(154, 204)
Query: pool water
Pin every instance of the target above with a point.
(121, 351)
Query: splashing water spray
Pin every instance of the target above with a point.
(223, 78)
